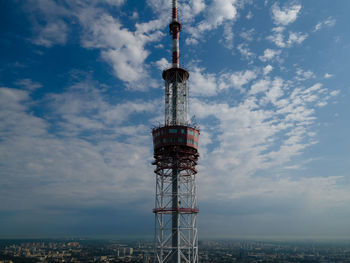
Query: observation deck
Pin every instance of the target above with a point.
(175, 135)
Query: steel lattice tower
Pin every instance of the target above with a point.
(176, 156)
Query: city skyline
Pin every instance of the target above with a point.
(81, 89)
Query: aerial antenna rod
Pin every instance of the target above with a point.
(175, 28)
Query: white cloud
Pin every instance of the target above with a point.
(162, 64)
(296, 37)
(123, 49)
(286, 15)
(208, 84)
(159, 46)
(197, 6)
(269, 54)
(334, 93)
(28, 84)
(70, 165)
(135, 15)
(218, 12)
(221, 10)
(260, 86)
(249, 15)
(202, 84)
(228, 36)
(247, 34)
(237, 79)
(127, 64)
(161, 7)
(279, 39)
(191, 9)
(267, 69)
(87, 150)
(191, 41)
(51, 34)
(329, 22)
(115, 2)
(49, 18)
(304, 75)
(79, 169)
(327, 76)
(265, 130)
(12, 100)
(245, 51)
(122, 112)
(83, 107)
(54, 30)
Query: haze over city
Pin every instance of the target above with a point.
(81, 88)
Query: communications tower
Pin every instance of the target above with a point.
(175, 157)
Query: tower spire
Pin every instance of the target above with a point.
(175, 28)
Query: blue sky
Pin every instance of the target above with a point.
(81, 88)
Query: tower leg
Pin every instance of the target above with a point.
(175, 218)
